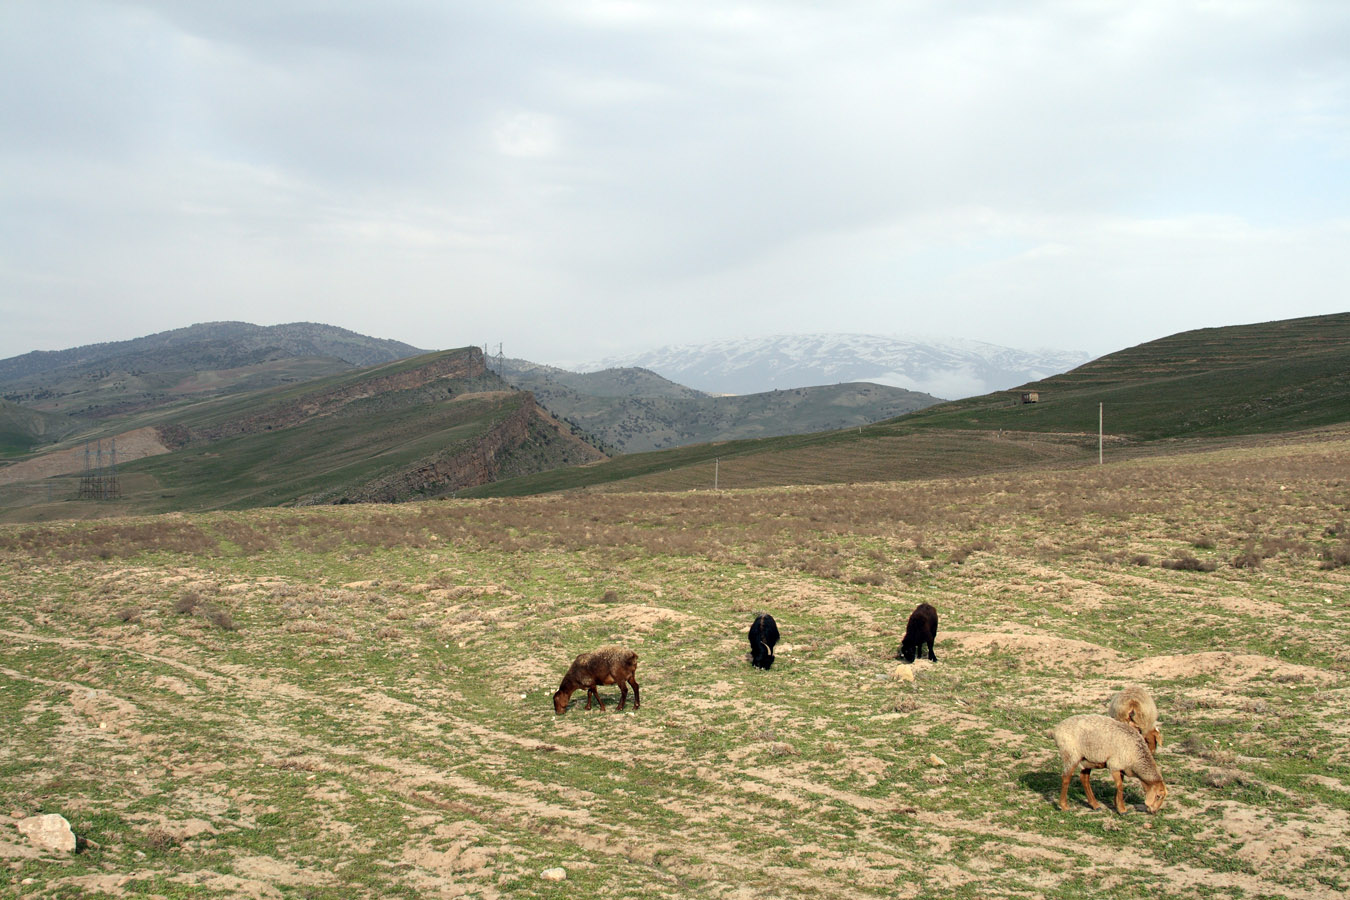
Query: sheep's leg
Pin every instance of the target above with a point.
(1120, 793)
(1064, 791)
(636, 700)
(1087, 788)
(931, 655)
(623, 695)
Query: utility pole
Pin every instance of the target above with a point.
(1099, 434)
(717, 466)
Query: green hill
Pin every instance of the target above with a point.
(1216, 382)
(22, 429)
(1246, 379)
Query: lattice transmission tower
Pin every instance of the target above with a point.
(99, 481)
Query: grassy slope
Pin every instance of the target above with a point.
(354, 702)
(1251, 379)
(319, 460)
(1255, 379)
(22, 428)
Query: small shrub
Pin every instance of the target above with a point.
(1187, 563)
(876, 579)
(187, 603)
(609, 597)
(220, 618)
(1221, 778)
(130, 614)
(1141, 559)
(1335, 557)
(161, 840)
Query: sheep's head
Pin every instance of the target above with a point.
(560, 701)
(907, 650)
(1154, 740)
(1154, 793)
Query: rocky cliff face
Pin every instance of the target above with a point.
(477, 465)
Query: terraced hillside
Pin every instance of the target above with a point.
(355, 701)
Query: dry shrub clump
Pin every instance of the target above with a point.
(1187, 563)
(161, 840)
(219, 617)
(190, 603)
(129, 614)
(1335, 557)
(112, 540)
(1249, 558)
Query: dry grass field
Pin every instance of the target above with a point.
(355, 701)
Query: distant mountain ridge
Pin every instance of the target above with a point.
(943, 367)
(101, 381)
(632, 410)
(216, 345)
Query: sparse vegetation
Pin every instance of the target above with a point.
(380, 724)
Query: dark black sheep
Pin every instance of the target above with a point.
(763, 635)
(922, 629)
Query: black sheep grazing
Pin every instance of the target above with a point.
(763, 635)
(922, 629)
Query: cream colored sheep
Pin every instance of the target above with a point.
(1134, 705)
(1101, 742)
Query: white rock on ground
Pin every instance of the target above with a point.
(558, 873)
(49, 832)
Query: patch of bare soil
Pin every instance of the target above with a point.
(1227, 667)
(135, 444)
(1042, 648)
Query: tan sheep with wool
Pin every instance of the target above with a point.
(1101, 742)
(1134, 705)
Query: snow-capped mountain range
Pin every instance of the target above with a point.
(950, 368)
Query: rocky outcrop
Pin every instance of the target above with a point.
(477, 465)
(467, 363)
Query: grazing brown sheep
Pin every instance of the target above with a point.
(608, 665)
(1101, 742)
(1134, 705)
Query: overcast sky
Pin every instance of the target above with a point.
(577, 180)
